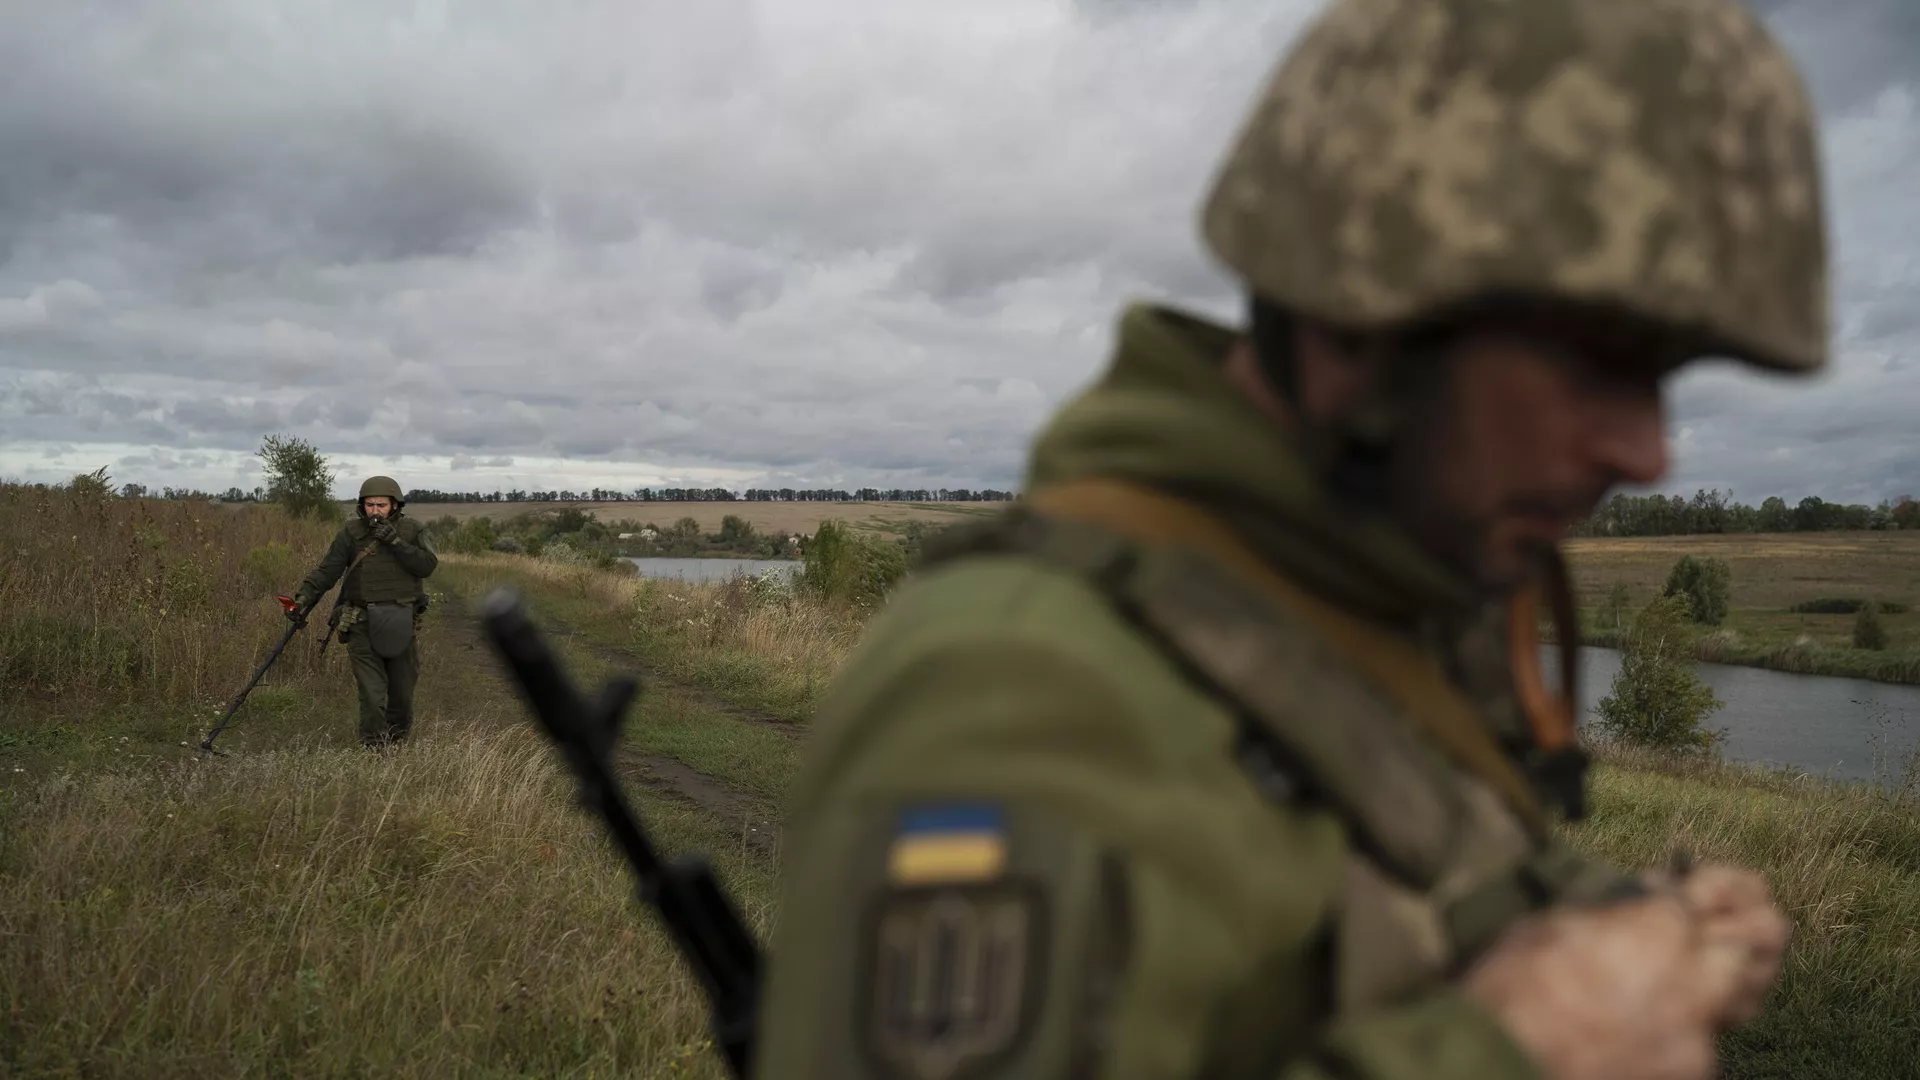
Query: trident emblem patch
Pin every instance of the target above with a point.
(953, 950)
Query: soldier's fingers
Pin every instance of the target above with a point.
(1718, 888)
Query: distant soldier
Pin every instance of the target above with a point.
(1227, 752)
(386, 557)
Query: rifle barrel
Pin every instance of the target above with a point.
(703, 921)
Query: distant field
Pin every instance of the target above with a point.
(766, 517)
(1771, 572)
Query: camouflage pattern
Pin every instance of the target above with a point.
(1657, 155)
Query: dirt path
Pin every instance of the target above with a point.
(677, 780)
(651, 677)
(660, 774)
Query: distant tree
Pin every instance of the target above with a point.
(1619, 601)
(133, 491)
(1868, 631)
(1905, 513)
(735, 530)
(1657, 697)
(1774, 515)
(298, 478)
(1704, 584)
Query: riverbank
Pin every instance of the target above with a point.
(1771, 574)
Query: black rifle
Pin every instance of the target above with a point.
(705, 925)
(339, 598)
(333, 622)
(298, 624)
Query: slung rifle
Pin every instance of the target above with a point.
(704, 922)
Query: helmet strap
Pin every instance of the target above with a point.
(1355, 452)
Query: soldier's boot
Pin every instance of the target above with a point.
(371, 685)
(403, 674)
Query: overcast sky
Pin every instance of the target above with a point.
(727, 243)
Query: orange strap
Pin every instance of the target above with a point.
(1412, 677)
(1551, 716)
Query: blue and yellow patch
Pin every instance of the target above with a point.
(954, 946)
(948, 843)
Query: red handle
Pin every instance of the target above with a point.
(287, 602)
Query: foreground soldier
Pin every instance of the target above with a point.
(1213, 760)
(386, 556)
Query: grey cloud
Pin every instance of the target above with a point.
(844, 239)
(220, 417)
(732, 291)
(223, 153)
(1848, 50)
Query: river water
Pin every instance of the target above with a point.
(1848, 729)
(702, 570)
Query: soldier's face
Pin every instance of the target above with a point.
(1529, 435)
(379, 506)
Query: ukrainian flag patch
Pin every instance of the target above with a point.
(948, 843)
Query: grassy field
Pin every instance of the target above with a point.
(1771, 573)
(767, 517)
(304, 909)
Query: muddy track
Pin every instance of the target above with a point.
(664, 776)
(621, 660)
(675, 779)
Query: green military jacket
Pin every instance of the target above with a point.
(1197, 803)
(393, 571)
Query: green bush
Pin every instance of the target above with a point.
(843, 565)
(271, 568)
(473, 536)
(94, 485)
(1868, 631)
(1834, 605)
(1658, 699)
(1705, 585)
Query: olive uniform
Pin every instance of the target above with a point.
(385, 598)
(1186, 767)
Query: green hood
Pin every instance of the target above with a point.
(1162, 415)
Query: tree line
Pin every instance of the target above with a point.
(1713, 512)
(644, 495)
(299, 477)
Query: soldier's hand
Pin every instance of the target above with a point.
(1637, 989)
(1746, 934)
(382, 530)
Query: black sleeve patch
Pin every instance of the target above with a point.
(955, 944)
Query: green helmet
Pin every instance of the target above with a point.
(381, 487)
(1657, 157)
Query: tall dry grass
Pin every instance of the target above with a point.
(105, 599)
(439, 912)
(1842, 859)
(759, 642)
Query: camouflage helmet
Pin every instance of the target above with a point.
(1656, 157)
(381, 487)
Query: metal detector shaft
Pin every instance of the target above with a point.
(292, 629)
(705, 925)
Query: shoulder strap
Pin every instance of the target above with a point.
(1185, 579)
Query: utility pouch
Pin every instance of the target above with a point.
(389, 628)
